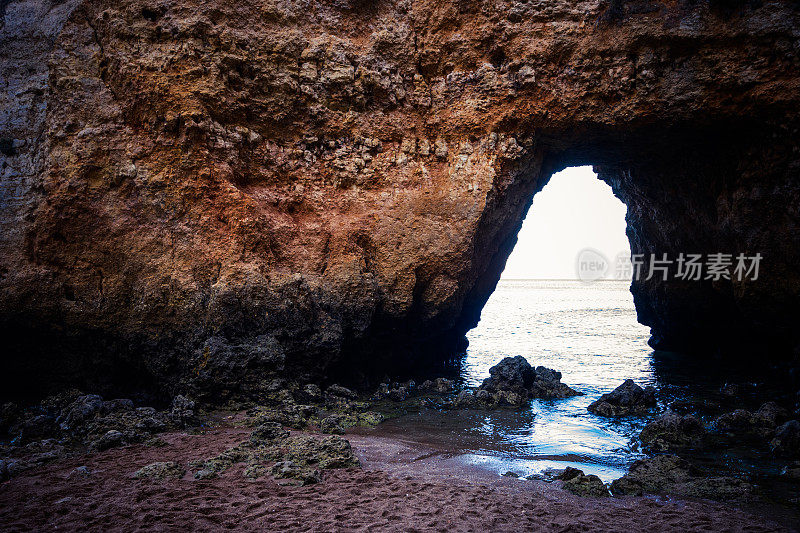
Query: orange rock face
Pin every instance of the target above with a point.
(211, 195)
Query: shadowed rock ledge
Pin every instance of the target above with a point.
(215, 196)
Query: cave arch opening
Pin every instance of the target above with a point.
(547, 306)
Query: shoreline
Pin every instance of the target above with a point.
(399, 485)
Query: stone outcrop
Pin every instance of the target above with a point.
(516, 376)
(216, 196)
(669, 474)
(627, 399)
(580, 484)
(672, 432)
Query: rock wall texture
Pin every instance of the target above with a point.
(209, 195)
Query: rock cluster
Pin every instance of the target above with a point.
(514, 377)
(513, 382)
(742, 424)
(333, 411)
(627, 399)
(60, 423)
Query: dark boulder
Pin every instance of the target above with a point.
(35, 427)
(578, 483)
(671, 432)
(9, 415)
(440, 385)
(337, 391)
(512, 374)
(743, 424)
(311, 393)
(79, 411)
(787, 440)
(516, 375)
(627, 399)
(112, 439)
(547, 385)
(182, 410)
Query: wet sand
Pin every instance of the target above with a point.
(402, 487)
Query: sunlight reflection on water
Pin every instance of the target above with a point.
(587, 332)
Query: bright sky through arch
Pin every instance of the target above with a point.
(575, 210)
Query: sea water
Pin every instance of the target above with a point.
(590, 334)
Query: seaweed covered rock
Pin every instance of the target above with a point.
(672, 431)
(287, 413)
(111, 439)
(267, 433)
(576, 482)
(669, 474)
(337, 391)
(627, 399)
(299, 458)
(295, 474)
(515, 375)
(395, 391)
(165, 470)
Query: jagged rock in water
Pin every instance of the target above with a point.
(512, 374)
(669, 474)
(358, 177)
(627, 399)
(672, 431)
(516, 376)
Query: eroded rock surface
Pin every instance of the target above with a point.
(214, 196)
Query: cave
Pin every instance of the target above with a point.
(336, 191)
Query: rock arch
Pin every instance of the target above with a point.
(215, 195)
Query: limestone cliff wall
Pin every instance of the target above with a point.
(207, 195)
